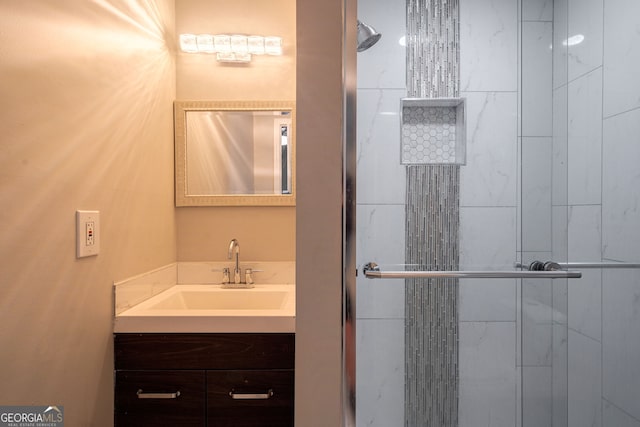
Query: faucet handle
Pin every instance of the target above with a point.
(248, 276)
(226, 276)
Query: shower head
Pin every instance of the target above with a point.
(367, 36)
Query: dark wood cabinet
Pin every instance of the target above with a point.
(258, 398)
(160, 398)
(204, 380)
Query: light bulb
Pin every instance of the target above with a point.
(222, 43)
(273, 45)
(188, 43)
(205, 43)
(256, 45)
(239, 44)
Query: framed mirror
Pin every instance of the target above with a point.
(235, 153)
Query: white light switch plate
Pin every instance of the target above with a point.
(87, 233)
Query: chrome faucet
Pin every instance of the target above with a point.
(236, 272)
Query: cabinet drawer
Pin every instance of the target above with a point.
(250, 398)
(204, 351)
(160, 398)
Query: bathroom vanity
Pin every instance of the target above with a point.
(188, 352)
(219, 379)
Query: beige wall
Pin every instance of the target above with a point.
(265, 234)
(86, 123)
(319, 213)
(87, 89)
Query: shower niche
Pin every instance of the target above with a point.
(433, 131)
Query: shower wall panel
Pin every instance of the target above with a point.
(620, 214)
(486, 310)
(536, 333)
(488, 212)
(380, 217)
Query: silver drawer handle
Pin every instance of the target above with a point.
(251, 396)
(143, 395)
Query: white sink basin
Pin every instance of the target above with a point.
(210, 308)
(227, 299)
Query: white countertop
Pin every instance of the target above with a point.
(167, 312)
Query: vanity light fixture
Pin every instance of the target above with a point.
(231, 48)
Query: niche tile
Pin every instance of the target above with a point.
(433, 131)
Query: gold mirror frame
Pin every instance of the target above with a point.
(183, 199)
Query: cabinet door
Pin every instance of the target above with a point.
(160, 398)
(250, 398)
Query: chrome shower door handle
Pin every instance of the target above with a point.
(372, 271)
(595, 265)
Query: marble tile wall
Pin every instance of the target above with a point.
(536, 77)
(621, 347)
(537, 407)
(380, 217)
(614, 416)
(559, 216)
(584, 380)
(576, 199)
(585, 139)
(584, 304)
(577, 148)
(621, 53)
(585, 18)
(621, 177)
(543, 344)
(596, 102)
(488, 208)
(134, 290)
(489, 377)
(591, 94)
(380, 372)
(536, 193)
(487, 374)
(488, 34)
(559, 374)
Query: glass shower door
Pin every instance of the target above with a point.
(550, 177)
(439, 351)
(579, 207)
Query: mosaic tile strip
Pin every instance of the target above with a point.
(433, 48)
(431, 305)
(432, 229)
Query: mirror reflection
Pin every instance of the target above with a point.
(234, 154)
(238, 152)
